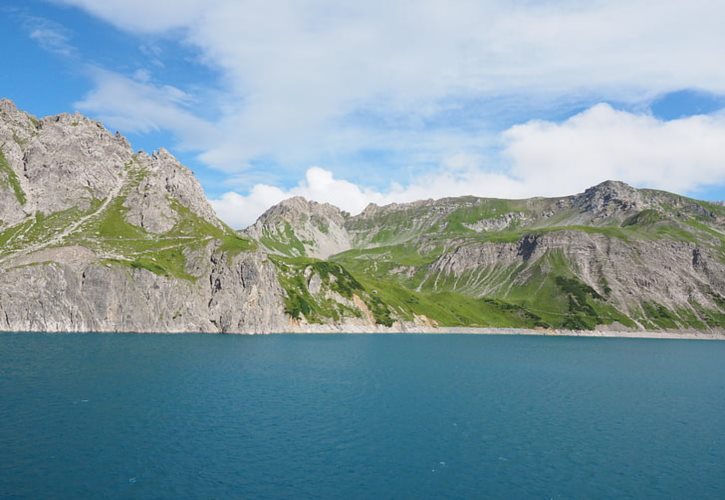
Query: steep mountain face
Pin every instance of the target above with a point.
(95, 237)
(613, 256)
(298, 227)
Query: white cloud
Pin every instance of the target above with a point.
(319, 184)
(295, 72)
(141, 106)
(546, 159)
(144, 15)
(49, 35)
(603, 143)
(302, 79)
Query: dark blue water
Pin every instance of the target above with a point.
(153, 416)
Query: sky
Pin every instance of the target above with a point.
(388, 101)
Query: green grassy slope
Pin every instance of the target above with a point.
(8, 178)
(395, 251)
(107, 232)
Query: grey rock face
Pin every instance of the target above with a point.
(609, 199)
(61, 162)
(149, 204)
(671, 273)
(68, 263)
(305, 227)
(496, 224)
(245, 295)
(236, 295)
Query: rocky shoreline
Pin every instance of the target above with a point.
(671, 334)
(320, 329)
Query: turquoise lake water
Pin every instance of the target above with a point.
(360, 416)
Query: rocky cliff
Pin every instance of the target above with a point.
(97, 237)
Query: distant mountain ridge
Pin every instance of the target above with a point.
(96, 237)
(297, 227)
(613, 254)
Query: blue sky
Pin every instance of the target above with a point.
(388, 101)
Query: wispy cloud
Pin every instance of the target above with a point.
(49, 35)
(143, 106)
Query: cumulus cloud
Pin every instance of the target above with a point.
(680, 155)
(544, 159)
(318, 184)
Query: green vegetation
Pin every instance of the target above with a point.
(169, 262)
(449, 308)
(105, 229)
(162, 254)
(659, 315)
(580, 314)
(406, 269)
(718, 210)
(389, 262)
(11, 179)
(299, 301)
(39, 228)
(372, 269)
(547, 289)
(397, 264)
(9, 235)
(284, 242)
(711, 317)
(395, 227)
(644, 218)
(233, 244)
(482, 210)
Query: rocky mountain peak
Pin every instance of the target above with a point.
(21, 123)
(303, 227)
(610, 199)
(69, 161)
(370, 209)
(612, 190)
(7, 106)
(298, 209)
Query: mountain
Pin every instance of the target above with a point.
(97, 237)
(613, 255)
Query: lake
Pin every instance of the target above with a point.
(360, 416)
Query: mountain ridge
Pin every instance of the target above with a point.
(97, 237)
(611, 225)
